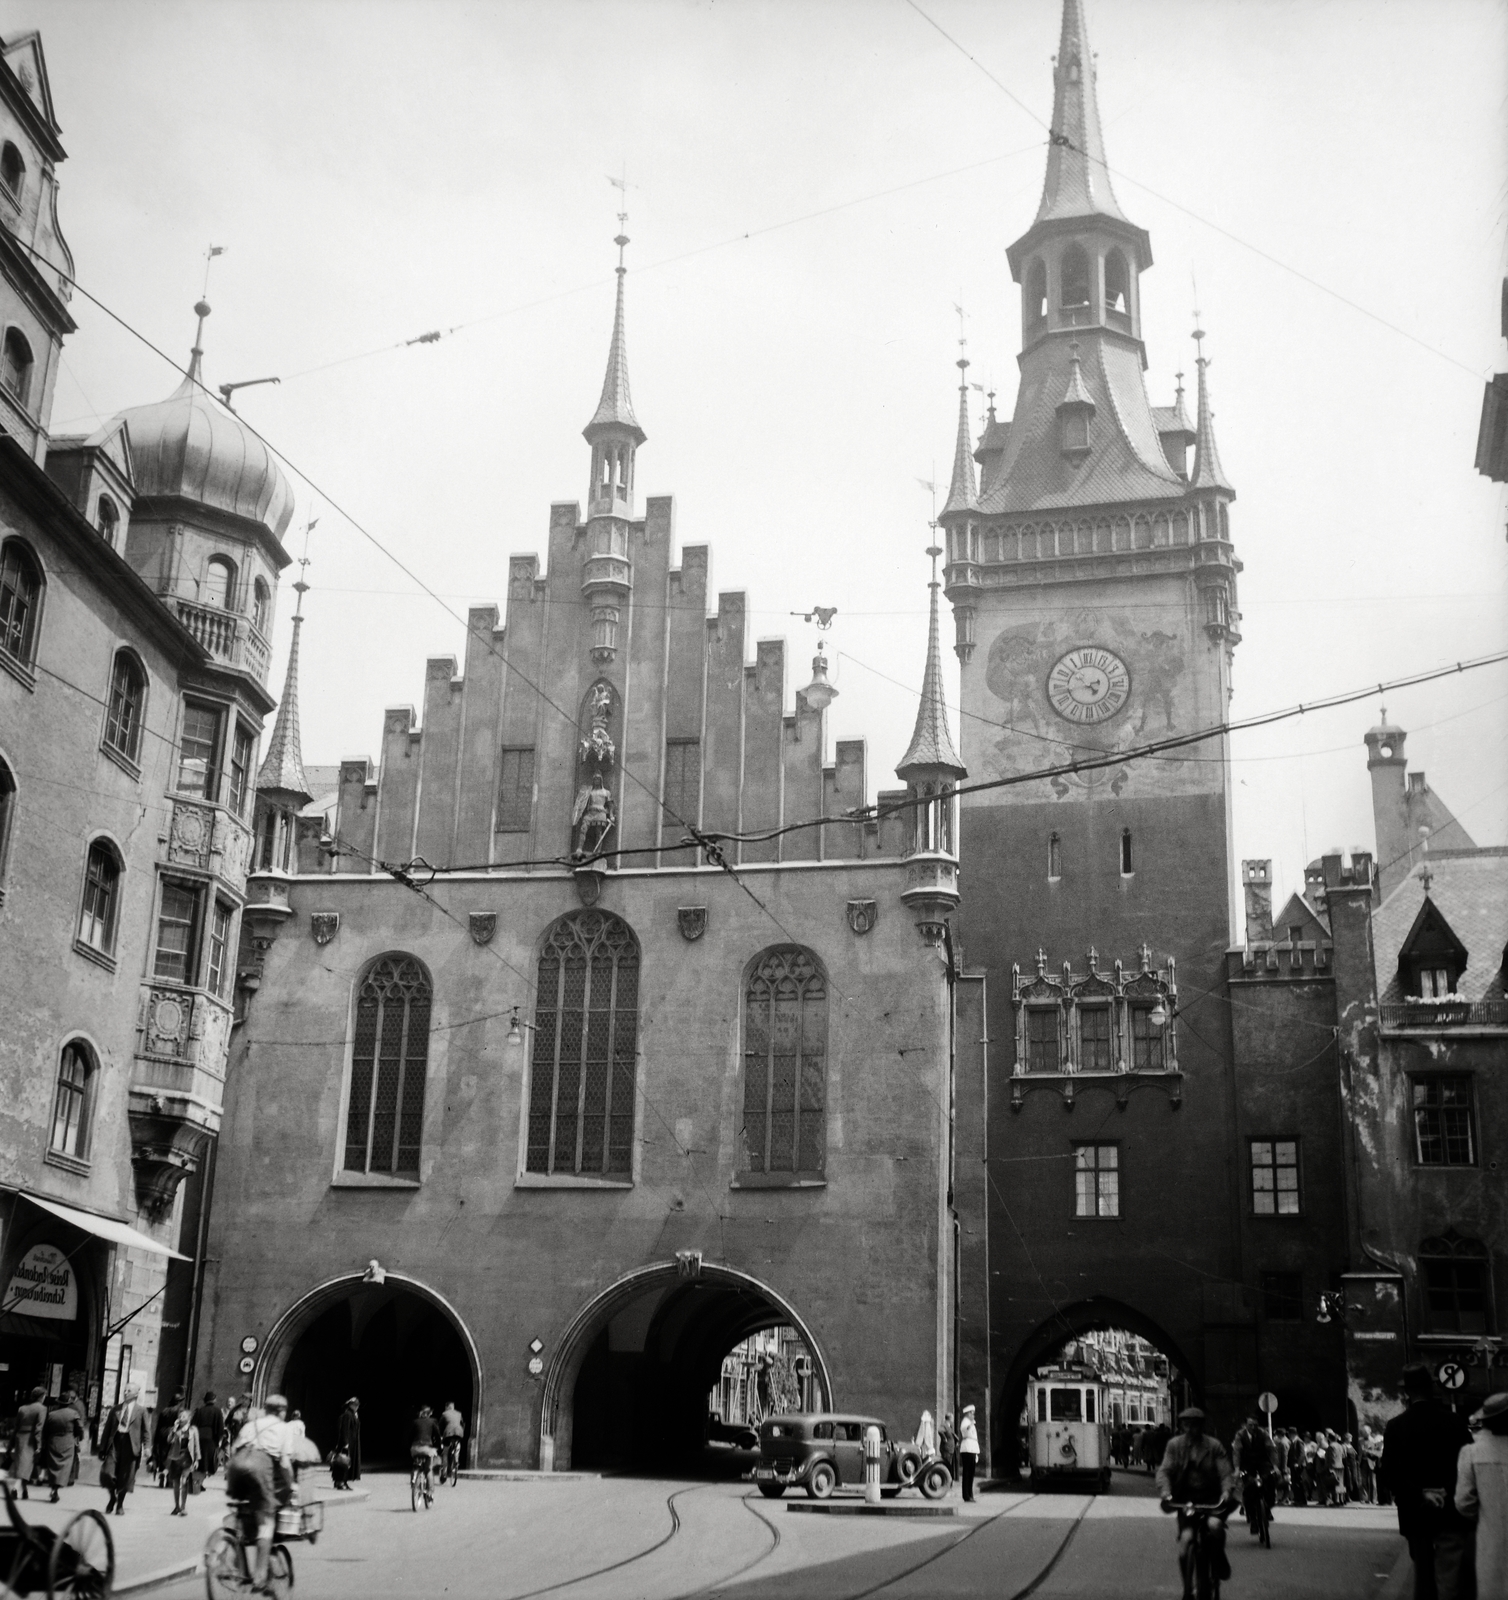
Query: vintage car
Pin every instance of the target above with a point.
(738, 1434)
(821, 1451)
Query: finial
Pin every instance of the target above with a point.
(1177, 399)
(621, 185)
(301, 587)
(1384, 710)
(196, 355)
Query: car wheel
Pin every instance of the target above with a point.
(936, 1481)
(822, 1482)
(772, 1491)
(907, 1464)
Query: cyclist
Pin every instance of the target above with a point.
(260, 1472)
(424, 1445)
(453, 1428)
(1256, 1465)
(1196, 1470)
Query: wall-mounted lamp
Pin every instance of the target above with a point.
(516, 1027)
(1159, 1017)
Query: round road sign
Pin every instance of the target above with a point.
(1268, 1401)
(247, 1364)
(249, 1345)
(536, 1366)
(1452, 1375)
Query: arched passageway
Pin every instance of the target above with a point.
(395, 1345)
(629, 1385)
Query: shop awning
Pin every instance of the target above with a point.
(103, 1227)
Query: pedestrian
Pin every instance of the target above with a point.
(121, 1442)
(1353, 1468)
(968, 1450)
(345, 1462)
(181, 1458)
(947, 1444)
(62, 1435)
(926, 1437)
(1335, 1460)
(209, 1424)
(1371, 1450)
(26, 1439)
(1298, 1468)
(1420, 1448)
(1482, 1495)
(1280, 1464)
(162, 1426)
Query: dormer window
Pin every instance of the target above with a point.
(1436, 982)
(1431, 959)
(12, 170)
(109, 519)
(1075, 431)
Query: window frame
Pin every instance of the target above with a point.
(15, 186)
(10, 796)
(759, 1171)
(1152, 1036)
(107, 518)
(1273, 1143)
(240, 773)
(194, 892)
(420, 992)
(232, 583)
(25, 366)
(24, 651)
(79, 1097)
(1426, 1081)
(95, 886)
(124, 744)
(1054, 1012)
(261, 607)
(1097, 1169)
(1457, 1252)
(213, 774)
(671, 810)
(1097, 1009)
(219, 945)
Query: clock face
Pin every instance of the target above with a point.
(1088, 685)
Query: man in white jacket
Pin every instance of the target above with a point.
(1482, 1495)
(968, 1450)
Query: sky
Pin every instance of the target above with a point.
(813, 186)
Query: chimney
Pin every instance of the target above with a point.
(1256, 876)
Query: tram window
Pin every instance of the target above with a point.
(1066, 1406)
(1041, 1405)
(1089, 1405)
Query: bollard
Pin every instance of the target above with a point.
(871, 1466)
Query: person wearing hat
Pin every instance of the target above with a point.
(26, 1438)
(1482, 1494)
(1196, 1470)
(1420, 1448)
(345, 1462)
(121, 1442)
(260, 1472)
(968, 1450)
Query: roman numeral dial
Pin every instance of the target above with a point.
(1088, 685)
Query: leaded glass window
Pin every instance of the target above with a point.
(389, 1058)
(785, 1063)
(581, 1095)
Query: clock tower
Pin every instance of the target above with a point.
(1093, 585)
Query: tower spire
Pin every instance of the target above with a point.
(282, 770)
(616, 407)
(931, 749)
(961, 492)
(1078, 181)
(1208, 473)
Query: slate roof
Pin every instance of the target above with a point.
(1173, 419)
(931, 743)
(1078, 181)
(616, 404)
(961, 492)
(1470, 890)
(1207, 473)
(282, 769)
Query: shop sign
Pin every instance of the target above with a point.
(43, 1285)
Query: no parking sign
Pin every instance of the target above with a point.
(1452, 1375)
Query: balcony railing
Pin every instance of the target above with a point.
(1432, 1014)
(227, 637)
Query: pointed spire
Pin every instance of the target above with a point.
(931, 746)
(282, 769)
(961, 492)
(1078, 181)
(1208, 473)
(1076, 394)
(616, 405)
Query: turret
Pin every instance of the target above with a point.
(957, 521)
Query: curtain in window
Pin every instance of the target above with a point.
(70, 1116)
(785, 1063)
(389, 1060)
(581, 1096)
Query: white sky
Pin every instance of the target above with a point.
(378, 170)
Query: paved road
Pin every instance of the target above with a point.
(651, 1539)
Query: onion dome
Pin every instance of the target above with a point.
(189, 447)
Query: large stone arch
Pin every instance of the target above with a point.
(764, 1307)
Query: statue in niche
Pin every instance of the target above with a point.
(594, 816)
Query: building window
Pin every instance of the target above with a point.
(1094, 1039)
(1126, 866)
(124, 715)
(683, 782)
(219, 588)
(1436, 982)
(7, 819)
(261, 607)
(177, 932)
(581, 1095)
(219, 949)
(20, 599)
(1283, 1296)
(70, 1111)
(1444, 1124)
(515, 792)
(1036, 294)
(1147, 1050)
(785, 1063)
(1042, 1050)
(199, 751)
(389, 1063)
(243, 750)
(12, 169)
(109, 519)
(1054, 856)
(1075, 422)
(1096, 1180)
(1275, 1177)
(97, 914)
(16, 365)
(1455, 1284)
(1075, 278)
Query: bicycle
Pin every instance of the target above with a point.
(450, 1463)
(420, 1483)
(1200, 1579)
(1258, 1511)
(229, 1569)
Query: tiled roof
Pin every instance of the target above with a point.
(1470, 890)
(282, 769)
(961, 492)
(616, 404)
(1078, 181)
(1172, 419)
(931, 743)
(1207, 473)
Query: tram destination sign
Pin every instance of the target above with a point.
(43, 1285)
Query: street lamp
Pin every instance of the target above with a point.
(516, 1027)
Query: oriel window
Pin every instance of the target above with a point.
(243, 750)
(175, 958)
(199, 751)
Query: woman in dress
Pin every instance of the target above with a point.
(181, 1458)
(61, 1435)
(27, 1438)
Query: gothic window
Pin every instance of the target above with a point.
(1275, 1177)
(16, 364)
(1454, 1271)
(12, 169)
(1073, 274)
(683, 783)
(515, 794)
(1036, 293)
(219, 588)
(1146, 1040)
(1117, 286)
(20, 600)
(128, 699)
(70, 1106)
(1444, 1121)
(581, 1095)
(1043, 1053)
(785, 1063)
(389, 1061)
(1096, 1052)
(199, 751)
(97, 913)
(109, 519)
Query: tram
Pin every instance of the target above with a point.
(1069, 1431)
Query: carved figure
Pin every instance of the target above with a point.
(593, 817)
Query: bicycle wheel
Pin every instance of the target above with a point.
(280, 1572)
(413, 1490)
(429, 1491)
(225, 1573)
(82, 1559)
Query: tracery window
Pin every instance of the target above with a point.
(389, 1062)
(785, 1063)
(586, 1035)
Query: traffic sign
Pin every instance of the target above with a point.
(247, 1364)
(1268, 1401)
(1452, 1375)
